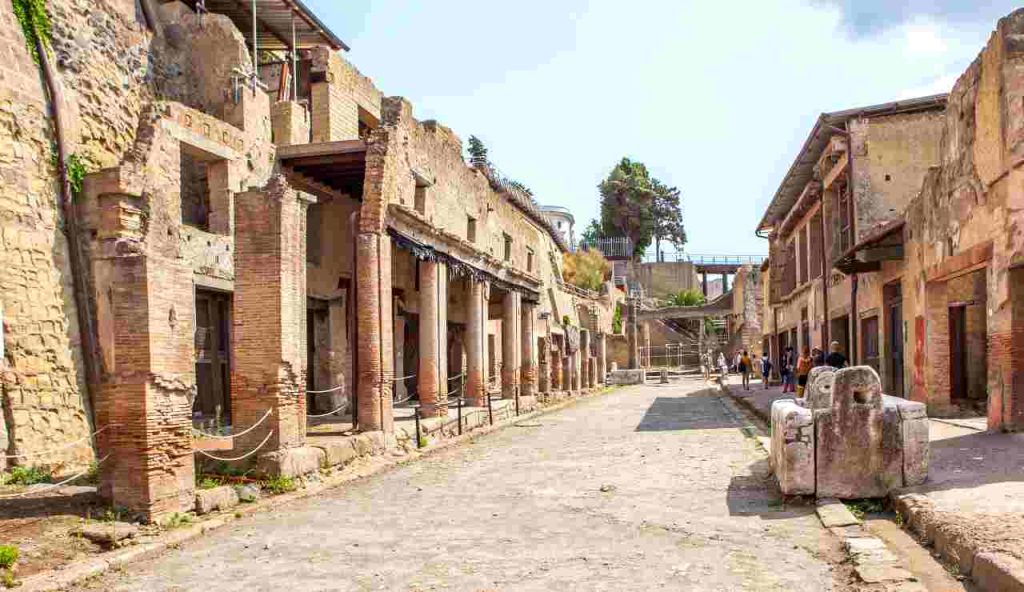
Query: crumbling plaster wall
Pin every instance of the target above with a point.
(891, 155)
(969, 213)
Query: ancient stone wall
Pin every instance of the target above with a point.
(967, 218)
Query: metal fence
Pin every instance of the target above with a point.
(704, 259)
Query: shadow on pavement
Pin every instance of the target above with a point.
(696, 411)
(757, 494)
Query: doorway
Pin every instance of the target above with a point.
(958, 353)
(212, 406)
(893, 296)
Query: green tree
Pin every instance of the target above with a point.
(687, 298)
(668, 217)
(627, 204)
(477, 153)
(591, 233)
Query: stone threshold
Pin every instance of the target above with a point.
(72, 573)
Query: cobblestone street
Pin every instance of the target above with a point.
(652, 487)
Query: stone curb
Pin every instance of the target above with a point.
(67, 575)
(991, 571)
(742, 401)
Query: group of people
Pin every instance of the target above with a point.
(793, 369)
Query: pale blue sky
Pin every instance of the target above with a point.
(714, 96)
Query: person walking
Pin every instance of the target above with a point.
(723, 366)
(745, 369)
(803, 368)
(786, 370)
(835, 358)
(766, 370)
(818, 356)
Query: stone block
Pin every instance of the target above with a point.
(109, 534)
(247, 493)
(915, 440)
(792, 447)
(625, 377)
(998, 571)
(858, 444)
(290, 462)
(833, 513)
(218, 498)
(819, 387)
(338, 452)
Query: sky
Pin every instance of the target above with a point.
(715, 97)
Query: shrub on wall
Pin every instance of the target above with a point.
(586, 269)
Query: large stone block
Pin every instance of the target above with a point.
(819, 387)
(792, 447)
(218, 498)
(290, 462)
(846, 439)
(623, 377)
(858, 440)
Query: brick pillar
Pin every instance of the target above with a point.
(632, 339)
(566, 370)
(400, 388)
(543, 364)
(431, 379)
(269, 311)
(145, 317)
(584, 358)
(645, 331)
(510, 347)
(556, 369)
(476, 319)
(1006, 357)
(937, 347)
(374, 335)
(528, 365)
(602, 357)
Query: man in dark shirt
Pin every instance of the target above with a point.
(835, 359)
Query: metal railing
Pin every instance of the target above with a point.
(706, 259)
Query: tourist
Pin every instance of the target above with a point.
(745, 368)
(803, 368)
(766, 370)
(723, 366)
(835, 358)
(818, 356)
(786, 363)
(705, 365)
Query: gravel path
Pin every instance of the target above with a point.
(646, 488)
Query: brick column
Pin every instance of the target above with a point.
(577, 362)
(528, 366)
(476, 319)
(269, 337)
(632, 339)
(543, 365)
(602, 357)
(374, 335)
(584, 358)
(510, 347)
(146, 325)
(557, 379)
(431, 379)
(937, 347)
(566, 370)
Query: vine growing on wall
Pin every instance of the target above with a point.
(77, 170)
(35, 23)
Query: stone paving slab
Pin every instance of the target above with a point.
(833, 512)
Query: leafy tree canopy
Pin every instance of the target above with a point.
(586, 269)
(640, 207)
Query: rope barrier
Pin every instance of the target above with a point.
(456, 376)
(344, 405)
(403, 378)
(239, 434)
(330, 390)
(55, 485)
(246, 455)
(58, 449)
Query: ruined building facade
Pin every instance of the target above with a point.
(922, 255)
(244, 244)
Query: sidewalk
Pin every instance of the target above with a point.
(972, 506)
